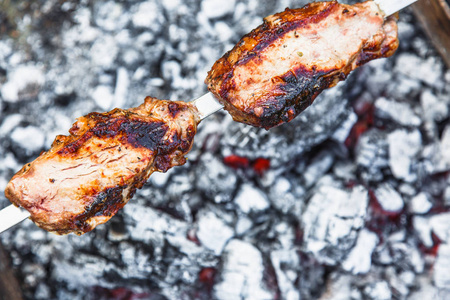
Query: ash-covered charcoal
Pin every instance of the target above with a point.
(350, 200)
(440, 276)
(331, 221)
(372, 155)
(242, 273)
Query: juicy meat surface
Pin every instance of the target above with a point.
(86, 177)
(279, 68)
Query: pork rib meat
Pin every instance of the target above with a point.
(279, 68)
(86, 177)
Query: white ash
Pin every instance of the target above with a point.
(285, 196)
(23, 82)
(399, 112)
(318, 167)
(331, 220)
(423, 229)
(150, 225)
(212, 232)
(341, 287)
(343, 131)
(420, 204)
(215, 179)
(440, 225)
(89, 270)
(243, 224)
(242, 273)
(389, 199)
(359, 259)
(429, 71)
(403, 148)
(372, 154)
(433, 107)
(398, 285)
(147, 15)
(445, 147)
(447, 196)
(378, 291)
(30, 138)
(216, 8)
(406, 255)
(426, 290)
(251, 199)
(111, 16)
(103, 52)
(285, 262)
(103, 97)
(160, 179)
(441, 276)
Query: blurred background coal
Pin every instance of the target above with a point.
(351, 200)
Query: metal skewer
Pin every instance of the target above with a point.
(390, 7)
(12, 215)
(206, 105)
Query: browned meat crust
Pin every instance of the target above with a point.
(278, 69)
(86, 177)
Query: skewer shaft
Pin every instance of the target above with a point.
(11, 215)
(390, 7)
(207, 105)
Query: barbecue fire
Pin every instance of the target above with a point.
(317, 223)
(270, 76)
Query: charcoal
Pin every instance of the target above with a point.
(372, 155)
(423, 229)
(440, 225)
(286, 196)
(420, 204)
(389, 199)
(251, 199)
(23, 83)
(331, 222)
(358, 260)
(403, 148)
(378, 291)
(440, 275)
(286, 264)
(212, 232)
(399, 112)
(242, 273)
(433, 108)
(216, 9)
(350, 200)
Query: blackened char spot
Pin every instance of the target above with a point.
(297, 90)
(174, 108)
(138, 133)
(144, 134)
(107, 203)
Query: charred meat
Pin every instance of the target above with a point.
(86, 177)
(277, 70)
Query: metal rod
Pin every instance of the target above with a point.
(12, 215)
(390, 7)
(207, 105)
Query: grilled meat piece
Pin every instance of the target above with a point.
(278, 69)
(86, 177)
